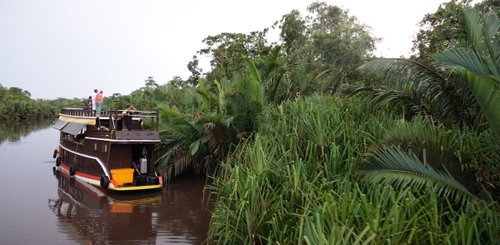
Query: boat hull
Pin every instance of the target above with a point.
(96, 180)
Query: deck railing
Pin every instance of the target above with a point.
(77, 112)
(112, 115)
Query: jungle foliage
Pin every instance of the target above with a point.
(301, 180)
(407, 153)
(16, 105)
(414, 160)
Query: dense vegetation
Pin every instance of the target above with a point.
(300, 181)
(16, 105)
(312, 140)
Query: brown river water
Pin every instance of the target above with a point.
(38, 206)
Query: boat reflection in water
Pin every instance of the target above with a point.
(91, 216)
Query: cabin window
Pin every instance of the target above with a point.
(105, 148)
(95, 146)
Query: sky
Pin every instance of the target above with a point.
(66, 48)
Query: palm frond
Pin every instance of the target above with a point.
(251, 87)
(421, 154)
(433, 144)
(272, 60)
(163, 159)
(425, 89)
(181, 162)
(488, 96)
(482, 31)
(180, 129)
(464, 58)
(395, 166)
(492, 24)
(252, 71)
(403, 73)
(195, 146)
(218, 138)
(166, 111)
(204, 94)
(383, 98)
(473, 26)
(479, 65)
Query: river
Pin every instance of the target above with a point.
(39, 206)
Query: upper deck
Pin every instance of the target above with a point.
(111, 125)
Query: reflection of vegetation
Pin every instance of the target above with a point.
(12, 131)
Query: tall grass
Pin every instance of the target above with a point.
(296, 182)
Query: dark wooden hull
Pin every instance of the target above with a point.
(91, 160)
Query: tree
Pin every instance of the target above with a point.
(487, 6)
(18, 94)
(440, 30)
(293, 31)
(116, 101)
(317, 54)
(228, 51)
(179, 82)
(338, 38)
(150, 83)
(195, 71)
(144, 97)
(444, 28)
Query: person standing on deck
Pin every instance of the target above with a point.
(99, 99)
(93, 99)
(89, 105)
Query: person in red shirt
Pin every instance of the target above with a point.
(99, 100)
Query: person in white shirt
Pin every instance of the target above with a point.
(93, 99)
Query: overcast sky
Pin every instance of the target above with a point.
(66, 48)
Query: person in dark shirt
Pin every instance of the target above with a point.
(127, 117)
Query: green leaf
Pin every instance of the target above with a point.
(193, 147)
(488, 96)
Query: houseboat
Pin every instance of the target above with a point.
(112, 151)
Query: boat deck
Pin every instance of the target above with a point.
(142, 127)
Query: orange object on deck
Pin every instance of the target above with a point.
(122, 176)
